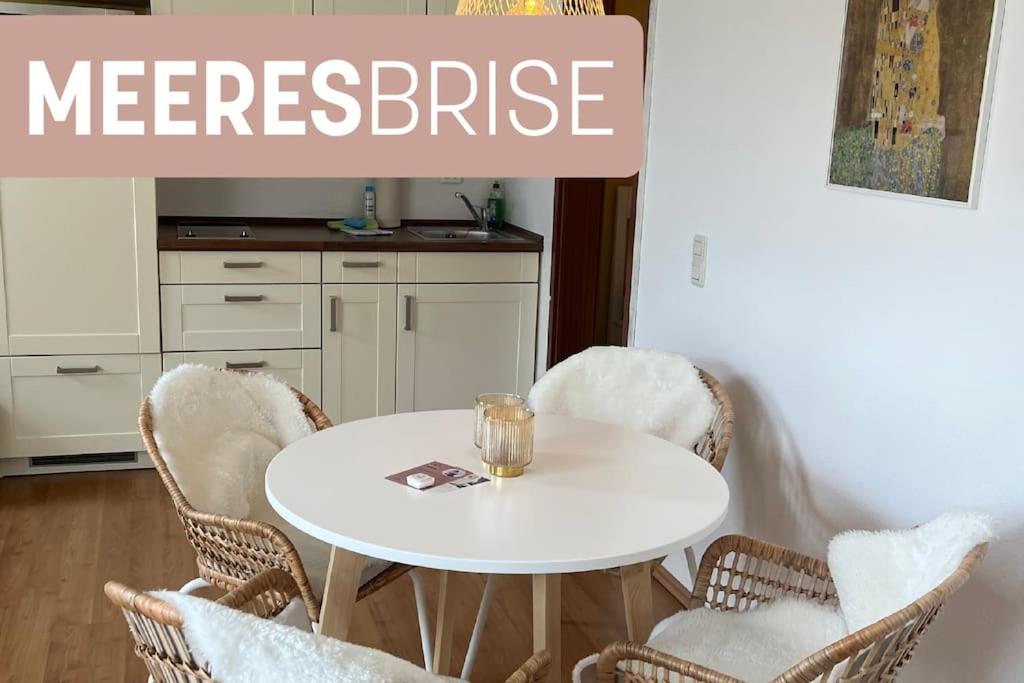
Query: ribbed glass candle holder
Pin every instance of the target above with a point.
(507, 440)
(485, 401)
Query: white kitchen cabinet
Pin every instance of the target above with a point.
(73, 404)
(239, 267)
(233, 7)
(454, 267)
(79, 266)
(442, 7)
(240, 317)
(299, 368)
(359, 351)
(370, 7)
(360, 267)
(458, 341)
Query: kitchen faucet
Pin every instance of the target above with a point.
(479, 213)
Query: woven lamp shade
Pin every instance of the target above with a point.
(530, 7)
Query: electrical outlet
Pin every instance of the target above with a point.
(699, 267)
(452, 181)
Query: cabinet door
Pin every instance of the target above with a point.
(370, 7)
(79, 266)
(67, 405)
(359, 351)
(442, 7)
(458, 341)
(233, 7)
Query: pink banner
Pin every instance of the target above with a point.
(321, 96)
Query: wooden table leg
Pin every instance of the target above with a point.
(343, 579)
(443, 628)
(638, 600)
(547, 620)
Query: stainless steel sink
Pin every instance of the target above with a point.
(215, 231)
(461, 234)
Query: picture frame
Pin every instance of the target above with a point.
(883, 169)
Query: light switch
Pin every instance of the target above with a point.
(699, 266)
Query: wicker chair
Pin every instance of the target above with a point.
(713, 446)
(738, 573)
(232, 551)
(159, 641)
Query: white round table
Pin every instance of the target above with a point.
(596, 497)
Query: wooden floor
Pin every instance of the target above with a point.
(63, 536)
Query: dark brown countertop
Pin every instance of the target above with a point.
(311, 234)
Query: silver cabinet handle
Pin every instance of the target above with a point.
(408, 313)
(231, 299)
(361, 264)
(78, 371)
(334, 314)
(245, 366)
(243, 266)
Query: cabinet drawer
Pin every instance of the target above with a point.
(455, 268)
(240, 317)
(296, 368)
(239, 267)
(360, 268)
(65, 405)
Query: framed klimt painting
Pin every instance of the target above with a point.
(914, 96)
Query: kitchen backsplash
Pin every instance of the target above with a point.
(423, 198)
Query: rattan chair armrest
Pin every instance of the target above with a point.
(233, 526)
(142, 603)
(237, 524)
(315, 414)
(798, 564)
(272, 581)
(659, 665)
(535, 669)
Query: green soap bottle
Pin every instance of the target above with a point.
(496, 206)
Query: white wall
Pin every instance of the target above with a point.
(424, 198)
(531, 205)
(872, 345)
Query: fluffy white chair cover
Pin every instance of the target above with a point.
(752, 646)
(238, 647)
(218, 432)
(656, 392)
(878, 573)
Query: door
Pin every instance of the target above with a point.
(233, 7)
(359, 351)
(371, 7)
(458, 341)
(79, 266)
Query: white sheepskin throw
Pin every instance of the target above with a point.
(878, 573)
(238, 647)
(755, 646)
(218, 432)
(656, 392)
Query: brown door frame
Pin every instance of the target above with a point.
(575, 266)
(575, 259)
